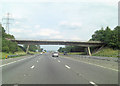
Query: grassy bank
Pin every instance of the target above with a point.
(107, 52)
(4, 54)
(76, 53)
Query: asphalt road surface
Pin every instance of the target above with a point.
(45, 69)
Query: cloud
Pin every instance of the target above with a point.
(107, 1)
(58, 36)
(16, 30)
(37, 26)
(26, 26)
(47, 32)
(75, 38)
(17, 23)
(70, 25)
(44, 32)
(70, 18)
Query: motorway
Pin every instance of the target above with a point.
(45, 69)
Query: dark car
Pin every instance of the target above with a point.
(65, 53)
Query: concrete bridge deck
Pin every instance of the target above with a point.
(54, 42)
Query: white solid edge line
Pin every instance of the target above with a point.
(96, 65)
(15, 61)
(32, 66)
(99, 66)
(67, 66)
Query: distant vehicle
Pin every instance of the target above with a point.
(65, 53)
(55, 54)
(41, 53)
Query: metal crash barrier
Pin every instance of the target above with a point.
(9, 56)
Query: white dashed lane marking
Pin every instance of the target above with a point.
(92, 83)
(96, 65)
(58, 60)
(32, 67)
(67, 66)
(24, 75)
(37, 61)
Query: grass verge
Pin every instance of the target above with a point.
(76, 53)
(4, 54)
(106, 52)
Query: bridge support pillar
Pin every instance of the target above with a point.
(38, 47)
(89, 52)
(27, 49)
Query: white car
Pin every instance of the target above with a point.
(55, 54)
(41, 53)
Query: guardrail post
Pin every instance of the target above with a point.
(27, 49)
(89, 52)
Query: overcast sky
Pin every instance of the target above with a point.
(59, 19)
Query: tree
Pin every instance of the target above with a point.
(115, 38)
(13, 47)
(8, 46)
(32, 48)
(98, 35)
(108, 36)
(71, 49)
(61, 49)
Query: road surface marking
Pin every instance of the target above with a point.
(58, 60)
(79, 74)
(32, 67)
(67, 66)
(37, 61)
(15, 61)
(54, 58)
(24, 75)
(99, 66)
(94, 64)
(92, 83)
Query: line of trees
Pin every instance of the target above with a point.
(71, 49)
(9, 46)
(108, 36)
(33, 48)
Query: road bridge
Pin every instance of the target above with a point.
(54, 42)
(87, 44)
